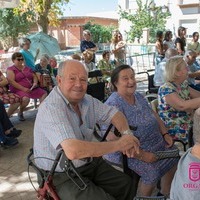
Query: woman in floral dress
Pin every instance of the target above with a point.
(176, 100)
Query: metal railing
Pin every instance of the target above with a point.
(141, 62)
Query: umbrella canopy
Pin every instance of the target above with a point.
(45, 43)
(9, 3)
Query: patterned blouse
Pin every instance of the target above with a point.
(178, 122)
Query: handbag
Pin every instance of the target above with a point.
(45, 80)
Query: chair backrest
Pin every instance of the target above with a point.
(151, 87)
(97, 90)
(96, 87)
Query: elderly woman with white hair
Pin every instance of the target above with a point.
(185, 184)
(176, 100)
(43, 72)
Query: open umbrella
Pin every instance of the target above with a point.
(45, 43)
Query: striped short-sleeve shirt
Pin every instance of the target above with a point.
(57, 121)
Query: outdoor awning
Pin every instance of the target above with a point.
(9, 3)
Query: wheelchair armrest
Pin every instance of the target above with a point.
(167, 154)
(71, 171)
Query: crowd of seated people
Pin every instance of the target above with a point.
(177, 102)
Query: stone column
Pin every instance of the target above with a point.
(145, 35)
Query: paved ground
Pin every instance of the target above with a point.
(14, 182)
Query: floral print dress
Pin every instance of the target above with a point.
(178, 122)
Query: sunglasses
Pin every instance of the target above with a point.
(20, 59)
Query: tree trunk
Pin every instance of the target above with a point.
(42, 24)
(42, 20)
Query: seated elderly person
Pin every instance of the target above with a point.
(176, 100)
(23, 82)
(43, 73)
(159, 76)
(193, 69)
(151, 133)
(8, 97)
(185, 184)
(105, 64)
(8, 133)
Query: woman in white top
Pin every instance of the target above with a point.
(168, 43)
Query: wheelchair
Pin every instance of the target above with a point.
(47, 190)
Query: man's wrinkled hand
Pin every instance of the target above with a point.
(129, 142)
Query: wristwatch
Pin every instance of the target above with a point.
(127, 132)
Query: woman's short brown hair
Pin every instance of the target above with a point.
(16, 55)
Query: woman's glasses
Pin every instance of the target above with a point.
(20, 59)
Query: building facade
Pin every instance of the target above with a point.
(183, 13)
(69, 33)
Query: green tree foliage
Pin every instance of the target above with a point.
(146, 16)
(42, 12)
(11, 26)
(100, 34)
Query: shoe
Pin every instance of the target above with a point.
(21, 117)
(9, 142)
(14, 133)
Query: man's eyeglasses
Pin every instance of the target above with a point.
(20, 59)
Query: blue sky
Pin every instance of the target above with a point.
(82, 7)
